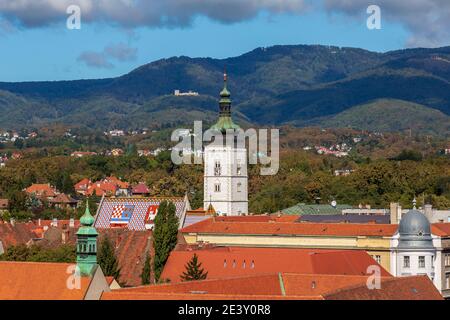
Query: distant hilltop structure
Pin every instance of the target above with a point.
(190, 93)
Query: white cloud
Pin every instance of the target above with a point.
(119, 52)
(132, 13)
(428, 21)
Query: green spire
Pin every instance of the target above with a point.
(87, 219)
(225, 122)
(87, 244)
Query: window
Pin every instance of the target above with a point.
(217, 187)
(217, 169)
(447, 260)
(421, 262)
(239, 168)
(378, 259)
(447, 281)
(252, 265)
(406, 262)
(239, 187)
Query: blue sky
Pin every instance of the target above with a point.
(52, 52)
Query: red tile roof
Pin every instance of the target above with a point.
(101, 188)
(41, 190)
(131, 249)
(406, 288)
(38, 281)
(283, 286)
(63, 198)
(230, 225)
(141, 188)
(441, 229)
(83, 184)
(116, 181)
(19, 233)
(223, 262)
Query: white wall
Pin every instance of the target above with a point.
(232, 199)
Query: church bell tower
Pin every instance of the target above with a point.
(87, 244)
(225, 176)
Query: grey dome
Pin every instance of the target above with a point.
(415, 231)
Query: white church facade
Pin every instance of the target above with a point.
(225, 173)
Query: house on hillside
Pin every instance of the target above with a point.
(42, 191)
(63, 201)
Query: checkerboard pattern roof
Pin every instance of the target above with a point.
(140, 209)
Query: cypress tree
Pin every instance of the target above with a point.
(145, 276)
(107, 260)
(164, 235)
(194, 270)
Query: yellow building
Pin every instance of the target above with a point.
(284, 231)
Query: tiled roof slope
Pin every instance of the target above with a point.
(38, 281)
(19, 233)
(139, 208)
(224, 262)
(223, 226)
(406, 288)
(131, 249)
(282, 286)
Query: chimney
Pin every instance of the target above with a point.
(428, 210)
(13, 222)
(393, 212)
(39, 222)
(55, 222)
(399, 213)
(65, 236)
(72, 223)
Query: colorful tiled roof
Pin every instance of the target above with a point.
(139, 211)
(223, 262)
(224, 226)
